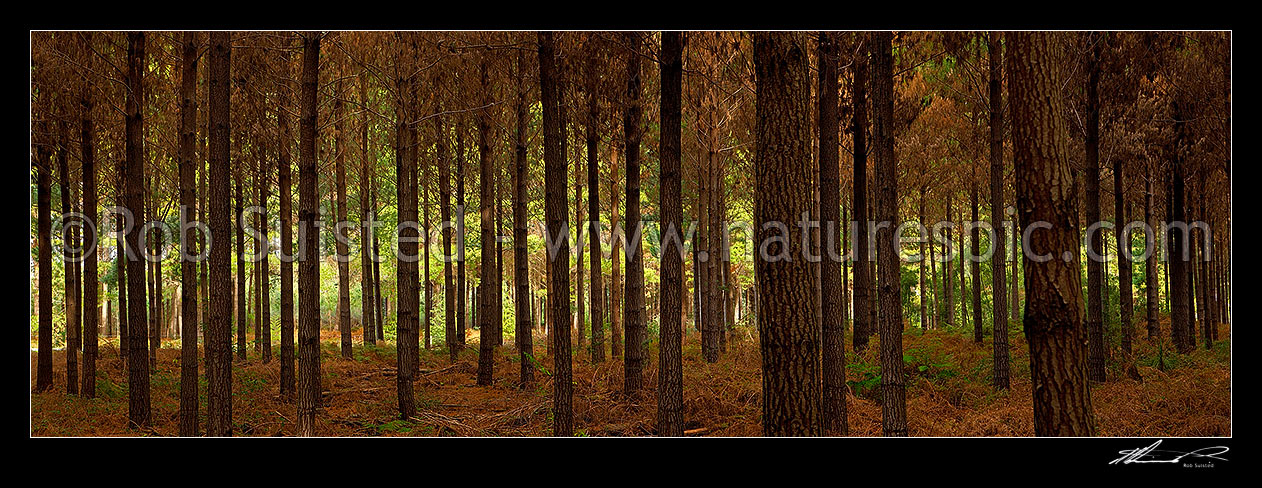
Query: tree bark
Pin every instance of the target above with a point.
(832, 307)
(633, 312)
(138, 364)
(670, 393)
(555, 208)
(999, 305)
(188, 277)
(309, 246)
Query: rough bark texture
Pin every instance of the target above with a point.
(593, 216)
(1126, 297)
(893, 388)
(999, 302)
(787, 325)
(486, 338)
(555, 208)
(670, 392)
(137, 364)
(285, 182)
(832, 308)
(188, 277)
(633, 312)
(87, 146)
(309, 247)
(1045, 193)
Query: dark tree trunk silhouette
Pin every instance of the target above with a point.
(893, 389)
(68, 257)
(593, 210)
(670, 392)
(366, 168)
(521, 265)
(1053, 310)
(999, 302)
(787, 325)
(555, 208)
(339, 228)
(486, 338)
(863, 325)
(833, 324)
(188, 195)
(1126, 298)
(284, 176)
(87, 147)
(134, 169)
(1095, 269)
(633, 312)
(44, 359)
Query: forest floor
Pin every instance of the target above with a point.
(948, 392)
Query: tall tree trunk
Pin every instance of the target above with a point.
(87, 150)
(1176, 263)
(265, 270)
(239, 231)
(593, 210)
(670, 390)
(999, 302)
(284, 175)
(615, 264)
(787, 325)
(893, 390)
(461, 313)
(138, 365)
(832, 306)
(1151, 246)
(188, 277)
(633, 312)
(1126, 299)
(1095, 270)
(444, 208)
(309, 245)
(339, 227)
(366, 300)
(554, 182)
(1053, 318)
(486, 339)
(521, 265)
(69, 259)
(44, 359)
(863, 326)
(219, 325)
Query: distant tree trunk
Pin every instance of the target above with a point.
(309, 245)
(1053, 318)
(974, 257)
(138, 365)
(593, 210)
(265, 269)
(1151, 245)
(44, 360)
(69, 260)
(219, 323)
(948, 255)
(444, 208)
(1095, 270)
(461, 313)
(366, 300)
(670, 392)
(521, 265)
(1126, 298)
(787, 325)
(633, 313)
(554, 182)
(339, 229)
(239, 232)
(998, 255)
(1176, 263)
(124, 336)
(379, 306)
(188, 273)
(893, 390)
(832, 307)
(284, 175)
(615, 264)
(87, 147)
(486, 339)
(863, 326)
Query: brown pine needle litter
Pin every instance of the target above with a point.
(949, 392)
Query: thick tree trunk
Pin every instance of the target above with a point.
(521, 266)
(219, 326)
(309, 246)
(285, 180)
(87, 147)
(1095, 270)
(863, 326)
(893, 390)
(1053, 318)
(999, 303)
(633, 312)
(555, 208)
(832, 293)
(138, 364)
(670, 392)
(188, 277)
(69, 259)
(787, 324)
(486, 337)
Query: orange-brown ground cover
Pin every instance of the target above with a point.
(948, 393)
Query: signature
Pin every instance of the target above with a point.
(1151, 454)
